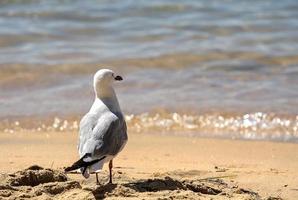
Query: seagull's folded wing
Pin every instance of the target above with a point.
(107, 136)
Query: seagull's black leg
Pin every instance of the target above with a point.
(97, 182)
(110, 169)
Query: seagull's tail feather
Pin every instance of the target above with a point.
(83, 164)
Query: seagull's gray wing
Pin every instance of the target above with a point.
(107, 137)
(87, 124)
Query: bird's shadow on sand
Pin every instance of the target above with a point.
(101, 191)
(152, 185)
(155, 185)
(147, 185)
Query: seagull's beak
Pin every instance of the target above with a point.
(118, 78)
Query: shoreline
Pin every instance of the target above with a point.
(255, 126)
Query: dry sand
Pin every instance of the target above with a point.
(150, 167)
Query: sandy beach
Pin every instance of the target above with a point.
(151, 167)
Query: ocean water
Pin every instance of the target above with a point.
(219, 68)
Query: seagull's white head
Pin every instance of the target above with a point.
(103, 80)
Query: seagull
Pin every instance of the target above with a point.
(103, 132)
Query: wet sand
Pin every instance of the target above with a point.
(150, 167)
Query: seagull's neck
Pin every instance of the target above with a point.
(108, 97)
